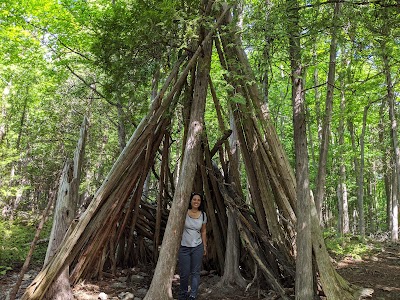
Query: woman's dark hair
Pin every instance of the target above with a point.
(201, 207)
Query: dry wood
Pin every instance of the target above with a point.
(234, 201)
(65, 211)
(160, 287)
(260, 260)
(219, 241)
(251, 175)
(219, 203)
(161, 194)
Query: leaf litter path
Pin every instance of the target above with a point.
(379, 271)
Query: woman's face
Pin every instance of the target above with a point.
(196, 201)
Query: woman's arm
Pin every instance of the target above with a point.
(204, 237)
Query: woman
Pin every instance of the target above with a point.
(193, 247)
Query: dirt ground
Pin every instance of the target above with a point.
(379, 271)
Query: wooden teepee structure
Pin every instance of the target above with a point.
(117, 218)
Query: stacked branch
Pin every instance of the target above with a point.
(89, 236)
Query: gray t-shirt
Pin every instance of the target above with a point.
(191, 236)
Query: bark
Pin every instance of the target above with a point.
(217, 212)
(231, 275)
(251, 244)
(161, 195)
(385, 162)
(63, 215)
(326, 128)
(212, 217)
(219, 203)
(148, 161)
(360, 190)
(4, 96)
(231, 271)
(304, 285)
(259, 258)
(121, 125)
(246, 145)
(262, 193)
(160, 287)
(395, 146)
(334, 286)
(343, 221)
(357, 169)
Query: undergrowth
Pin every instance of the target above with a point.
(349, 245)
(15, 241)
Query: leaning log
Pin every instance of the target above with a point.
(160, 287)
(64, 213)
(71, 246)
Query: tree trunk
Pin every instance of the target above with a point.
(326, 127)
(357, 172)
(64, 213)
(231, 275)
(304, 285)
(216, 209)
(334, 286)
(160, 287)
(4, 96)
(121, 125)
(343, 221)
(385, 160)
(161, 195)
(395, 145)
(360, 190)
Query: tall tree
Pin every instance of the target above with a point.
(343, 206)
(326, 125)
(304, 270)
(395, 144)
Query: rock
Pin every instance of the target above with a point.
(137, 278)
(102, 296)
(119, 285)
(26, 277)
(122, 279)
(142, 292)
(126, 296)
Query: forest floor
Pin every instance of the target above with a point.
(380, 271)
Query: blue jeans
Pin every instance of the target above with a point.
(190, 259)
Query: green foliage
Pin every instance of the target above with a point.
(16, 238)
(347, 246)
